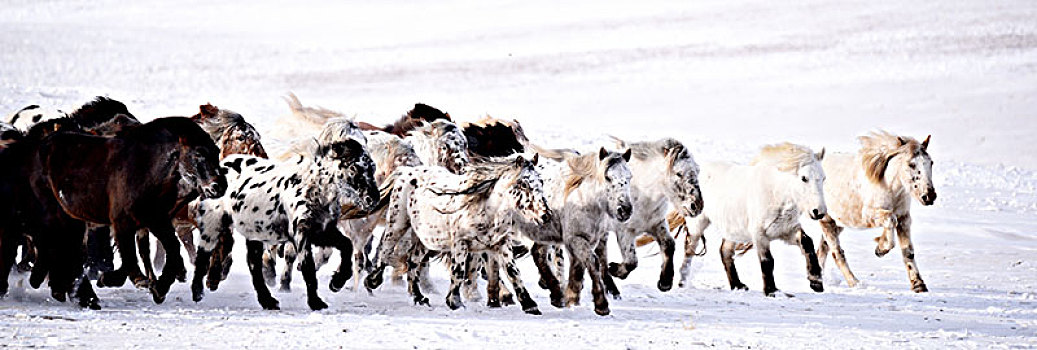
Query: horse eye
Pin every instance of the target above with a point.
(912, 165)
(805, 179)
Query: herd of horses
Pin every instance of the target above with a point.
(474, 196)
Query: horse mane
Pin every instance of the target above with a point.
(113, 126)
(482, 177)
(645, 150)
(785, 156)
(102, 109)
(494, 137)
(40, 130)
(414, 119)
(879, 147)
(314, 115)
(388, 147)
(221, 121)
(181, 127)
(582, 167)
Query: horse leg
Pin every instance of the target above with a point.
(907, 249)
(124, 239)
(461, 260)
(201, 263)
(398, 224)
(332, 237)
(493, 285)
(667, 246)
(831, 232)
(471, 282)
(885, 241)
(309, 275)
(290, 254)
(627, 248)
(558, 259)
(144, 249)
(28, 254)
(85, 292)
(175, 265)
(505, 257)
(8, 249)
(99, 253)
(763, 250)
(547, 277)
(220, 253)
(255, 268)
(693, 235)
(601, 252)
(417, 260)
(270, 265)
(727, 256)
(806, 245)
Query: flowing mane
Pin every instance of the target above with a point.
(415, 118)
(879, 147)
(316, 115)
(494, 137)
(646, 150)
(99, 111)
(787, 157)
(221, 121)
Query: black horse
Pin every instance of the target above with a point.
(134, 180)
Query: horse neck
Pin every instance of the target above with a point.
(650, 178)
(779, 185)
(893, 178)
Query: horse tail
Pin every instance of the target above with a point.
(676, 222)
(474, 193)
(620, 144)
(557, 154)
(316, 116)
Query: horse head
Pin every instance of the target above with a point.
(526, 190)
(916, 172)
(356, 179)
(451, 144)
(802, 169)
(683, 184)
(199, 158)
(614, 170)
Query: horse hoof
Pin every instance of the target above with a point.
(493, 303)
(543, 284)
(182, 276)
(557, 302)
(665, 286)
(454, 304)
(602, 311)
(817, 286)
(338, 281)
(142, 283)
(615, 271)
(739, 287)
(532, 311)
(880, 252)
(316, 304)
(421, 301)
(59, 296)
(269, 303)
(197, 296)
(24, 267)
(920, 288)
(373, 281)
(285, 288)
(508, 300)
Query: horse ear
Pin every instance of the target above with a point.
(902, 141)
(536, 159)
(925, 144)
(821, 156)
(602, 154)
(626, 155)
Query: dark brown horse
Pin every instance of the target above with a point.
(422, 113)
(22, 216)
(135, 180)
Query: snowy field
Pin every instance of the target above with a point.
(725, 77)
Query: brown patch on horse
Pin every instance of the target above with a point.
(205, 111)
(415, 118)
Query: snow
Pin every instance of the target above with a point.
(723, 76)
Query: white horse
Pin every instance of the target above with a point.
(664, 174)
(590, 196)
(758, 203)
(476, 211)
(873, 188)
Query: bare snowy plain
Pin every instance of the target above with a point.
(725, 77)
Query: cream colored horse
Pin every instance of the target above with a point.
(873, 188)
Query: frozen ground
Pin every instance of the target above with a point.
(724, 76)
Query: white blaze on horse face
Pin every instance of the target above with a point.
(917, 175)
(811, 197)
(617, 177)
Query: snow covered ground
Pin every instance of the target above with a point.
(723, 76)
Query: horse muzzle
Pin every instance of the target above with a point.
(929, 198)
(623, 212)
(817, 214)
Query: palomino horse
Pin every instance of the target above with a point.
(297, 201)
(664, 174)
(873, 189)
(463, 214)
(759, 203)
